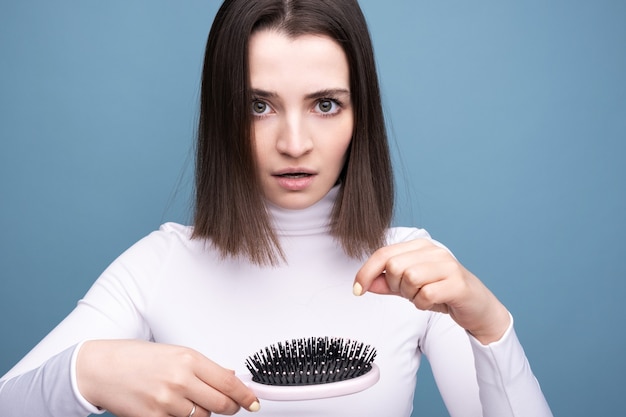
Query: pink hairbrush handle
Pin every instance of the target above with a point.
(315, 391)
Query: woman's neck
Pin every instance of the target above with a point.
(310, 220)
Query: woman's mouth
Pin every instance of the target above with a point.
(294, 181)
(295, 175)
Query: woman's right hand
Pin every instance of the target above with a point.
(132, 378)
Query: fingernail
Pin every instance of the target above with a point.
(357, 289)
(254, 407)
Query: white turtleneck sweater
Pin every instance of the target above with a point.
(170, 289)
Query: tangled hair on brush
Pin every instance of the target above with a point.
(230, 208)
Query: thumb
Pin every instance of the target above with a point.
(378, 286)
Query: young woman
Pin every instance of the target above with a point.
(293, 203)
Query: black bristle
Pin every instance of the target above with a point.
(315, 360)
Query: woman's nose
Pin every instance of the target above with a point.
(294, 139)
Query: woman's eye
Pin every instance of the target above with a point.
(327, 106)
(260, 108)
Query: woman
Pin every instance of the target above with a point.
(293, 203)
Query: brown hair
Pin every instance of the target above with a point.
(230, 209)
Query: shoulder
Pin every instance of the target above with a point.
(404, 234)
(148, 259)
(161, 243)
(175, 231)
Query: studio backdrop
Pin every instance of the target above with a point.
(508, 128)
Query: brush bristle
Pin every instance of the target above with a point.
(314, 360)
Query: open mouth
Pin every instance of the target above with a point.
(294, 175)
(295, 180)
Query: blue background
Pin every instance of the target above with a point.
(508, 124)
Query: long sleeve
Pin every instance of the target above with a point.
(507, 386)
(496, 382)
(43, 383)
(50, 390)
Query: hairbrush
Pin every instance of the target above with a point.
(312, 368)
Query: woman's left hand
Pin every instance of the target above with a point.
(432, 279)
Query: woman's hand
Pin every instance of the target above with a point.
(132, 378)
(432, 279)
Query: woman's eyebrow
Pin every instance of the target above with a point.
(325, 93)
(329, 92)
(262, 93)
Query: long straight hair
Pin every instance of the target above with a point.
(230, 210)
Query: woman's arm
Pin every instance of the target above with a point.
(429, 276)
(101, 355)
(46, 391)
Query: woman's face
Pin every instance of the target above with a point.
(302, 115)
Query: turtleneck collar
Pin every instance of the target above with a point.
(310, 220)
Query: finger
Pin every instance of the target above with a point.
(403, 270)
(192, 409)
(407, 273)
(230, 392)
(380, 286)
(433, 296)
(201, 412)
(209, 399)
(408, 270)
(378, 262)
(417, 276)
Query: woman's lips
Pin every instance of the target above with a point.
(294, 181)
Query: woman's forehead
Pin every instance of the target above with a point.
(278, 61)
